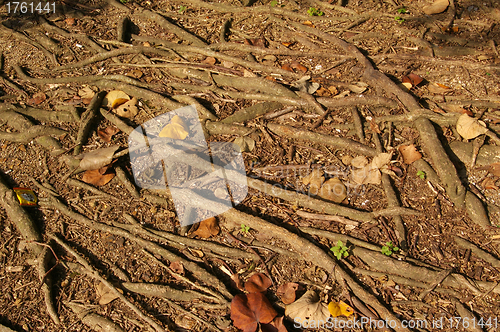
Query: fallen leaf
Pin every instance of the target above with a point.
(287, 44)
(437, 7)
(245, 143)
(247, 311)
(207, 228)
(304, 85)
(470, 128)
(115, 98)
(286, 292)
(366, 175)
(70, 21)
(322, 92)
(489, 183)
(333, 190)
(308, 23)
(492, 169)
(258, 283)
(296, 65)
(307, 308)
(381, 160)
(359, 162)
(340, 309)
(177, 267)
(374, 127)
(456, 109)
(97, 178)
(209, 60)
(176, 129)
(314, 180)
(412, 80)
(259, 42)
(107, 133)
(136, 73)
(37, 98)
(106, 295)
(86, 93)
(287, 67)
(275, 326)
(333, 90)
(97, 158)
(358, 87)
(409, 153)
(437, 88)
(127, 109)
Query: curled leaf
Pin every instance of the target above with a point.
(437, 7)
(340, 309)
(307, 308)
(470, 128)
(409, 153)
(287, 291)
(207, 228)
(333, 190)
(97, 177)
(128, 109)
(245, 143)
(247, 311)
(258, 283)
(107, 133)
(115, 98)
(176, 129)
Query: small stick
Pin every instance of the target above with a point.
(87, 121)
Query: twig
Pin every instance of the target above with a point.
(326, 217)
(88, 119)
(440, 277)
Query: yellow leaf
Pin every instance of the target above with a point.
(470, 128)
(115, 98)
(176, 129)
(340, 309)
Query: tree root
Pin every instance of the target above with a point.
(313, 254)
(94, 321)
(485, 256)
(337, 142)
(94, 274)
(87, 121)
(123, 177)
(43, 272)
(165, 291)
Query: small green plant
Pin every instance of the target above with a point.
(182, 9)
(124, 1)
(421, 174)
(314, 12)
(399, 19)
(402, 11)
(340, 250)
(245, 229)
(273, 3)
(389, 249)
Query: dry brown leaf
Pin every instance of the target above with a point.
(359, 162)
(37, 98)
(309, 24)
(236, 278)
(411, 80)
(259, 42)
(258, 283)
(287, 44)
(107, 133)
(470, 128)
(489, 183)
(315, 179)
(209, 60)
(136, 73)
(105, 294)
(176, 129)
(322, 92)
(246, 144)
(409, 153)
(333, 190)
(177, 267)
(437, 88)
(438, 6)
(456, 109)
(307, 308)
(298, 66)
(286, 292)
(86, 93)
(97, 178)
(97, 158)
(247, 311)
(275, 326)
(287, 67)
(128, 109)
(207, 228)
(358, 87)
(492, 168)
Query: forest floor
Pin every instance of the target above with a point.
(369, 168)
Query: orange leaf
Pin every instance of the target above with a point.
(207, 228)
(287, 291)
(287, 67)
(37, 99)
(298, 66)
(258, 283)
(287, 44)
(275, 326)
(96, 178)
(410, 153)
(177, 267)
(308, 23)
(209, 60)
(247, 311)
(107, 133)
(340, 309)
(489, 183)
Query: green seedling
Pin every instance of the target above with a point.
(421, 174)
(389, 249)
(402, 11)
(273, 3)
(182, 9)
(314, 12)
(340, 250)
(245, 229)
(399, 19)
